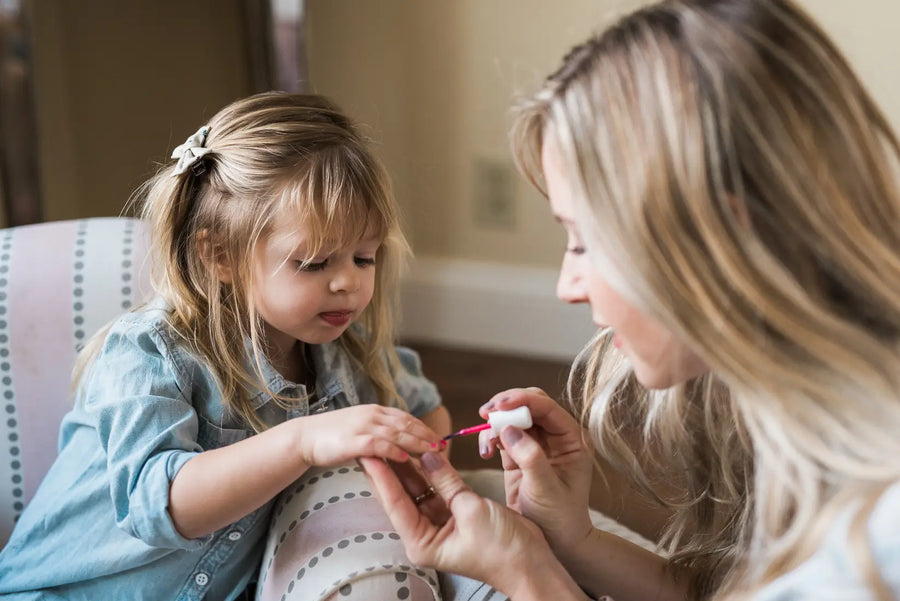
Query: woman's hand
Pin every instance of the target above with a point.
(547, 469)
(451, 528)
(343, 435)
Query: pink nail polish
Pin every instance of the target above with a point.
(434, 445)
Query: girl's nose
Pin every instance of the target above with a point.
(570, 287)
(346, 279)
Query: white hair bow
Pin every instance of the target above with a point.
(191, 151)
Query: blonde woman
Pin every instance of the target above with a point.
(730, 195)
(267, 353)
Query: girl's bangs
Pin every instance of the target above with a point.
(337, 206)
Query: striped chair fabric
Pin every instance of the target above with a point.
(59, 283)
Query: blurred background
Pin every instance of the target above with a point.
(94, 94)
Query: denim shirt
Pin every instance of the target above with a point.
(99, 527)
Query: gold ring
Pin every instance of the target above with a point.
(426, 494)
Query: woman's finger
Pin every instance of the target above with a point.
(423, 494)
(487, 442)
(446, 481)
(525, 451)
(545, 412)
(398, 505)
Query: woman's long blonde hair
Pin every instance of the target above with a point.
(269, 154)
(734, 180)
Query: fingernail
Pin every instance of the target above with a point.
(434, 445)
(511, 436)
(482, 450)
(431, 462)
(487, 406)
(444, 444)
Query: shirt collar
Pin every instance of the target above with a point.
(333, 376)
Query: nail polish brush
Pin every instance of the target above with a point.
(520, 417)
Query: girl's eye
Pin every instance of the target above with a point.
(364, 261)
(307, 267)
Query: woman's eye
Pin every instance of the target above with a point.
(307, 267)
(575, 250)
(364, 261)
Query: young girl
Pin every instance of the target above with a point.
(730, 194)
(267, 351)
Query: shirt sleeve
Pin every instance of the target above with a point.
(420, 393)
(147, 428)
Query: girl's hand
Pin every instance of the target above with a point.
(455, 530)
(343, 435)
(547, 469)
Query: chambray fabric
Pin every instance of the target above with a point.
(833, 573)
(98, 526)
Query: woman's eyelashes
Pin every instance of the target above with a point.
(575, 249)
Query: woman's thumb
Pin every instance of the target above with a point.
(526, 452)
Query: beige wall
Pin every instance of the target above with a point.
(435, 81)
(119, 83)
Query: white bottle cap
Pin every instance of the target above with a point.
(520, 417)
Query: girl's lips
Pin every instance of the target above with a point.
(336, 318)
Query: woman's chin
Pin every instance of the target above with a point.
(657, 379)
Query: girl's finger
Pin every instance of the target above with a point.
(400, 438)
(403, 421)
(375, 446)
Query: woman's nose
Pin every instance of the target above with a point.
(570, 286)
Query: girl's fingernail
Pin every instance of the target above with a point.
(444, 444)
(487, 406)
(482, 450)
(511, 436)
(431, 462)
(434, 445)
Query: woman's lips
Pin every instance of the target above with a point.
(336, 318)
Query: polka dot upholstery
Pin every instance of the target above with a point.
(330, 540)
(59, 283)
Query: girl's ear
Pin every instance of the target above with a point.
(214, 257)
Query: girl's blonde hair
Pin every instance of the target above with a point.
(734, 180)
(270, 154)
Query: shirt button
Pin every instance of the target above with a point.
(201, 579)
(234, 535)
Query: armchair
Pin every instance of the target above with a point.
(59, 283)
